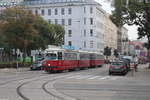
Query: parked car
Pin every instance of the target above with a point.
(127, 63)
(37, 65)
(118, 67)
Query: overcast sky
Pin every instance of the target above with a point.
(132, 30)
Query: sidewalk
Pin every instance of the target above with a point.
(5, 70)
(142, 72)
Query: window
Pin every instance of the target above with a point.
(49, 11)
(84, 44)
(42, 12)
(91, 10)
(84, 20)
(84, 56)
(69, 21)
(84, 9)
(91, 21)
(69, 43)
(91, 32)
(84, 33)
(70, 56)
(91, 44)
(62, 11)
(69, 33)
(56, 21)
(60, 55)
(63, 22)
(69, 11)
(36, 12)
(51, 56)
(56, 11)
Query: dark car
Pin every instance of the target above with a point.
(118, 67)
(127, 63)
(37, 65)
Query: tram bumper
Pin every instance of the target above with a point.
(50, 68)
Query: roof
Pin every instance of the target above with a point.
(34, 2)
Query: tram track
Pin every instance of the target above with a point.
(19, 79)
(61, 95)
(20, 88)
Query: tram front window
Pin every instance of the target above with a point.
(51, 56)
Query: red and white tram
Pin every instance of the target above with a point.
(58, 59)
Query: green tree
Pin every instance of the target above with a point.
(58, 37)
(22, 30)
(137, 12)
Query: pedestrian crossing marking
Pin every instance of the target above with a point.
(83, 77)
(92, 77)
(73, 76)
(106, 77)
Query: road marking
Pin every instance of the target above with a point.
(103, 78)
(91, 77)
(84, 77)
(74, 76)
(94, 77)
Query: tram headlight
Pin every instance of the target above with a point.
(49, 64)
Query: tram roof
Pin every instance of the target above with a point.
(56, 49)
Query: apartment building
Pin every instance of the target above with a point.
(83, 21)
(125, 41)
(111, 35)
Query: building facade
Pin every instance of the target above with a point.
(83, 21)
(110, 34)
(125, 41)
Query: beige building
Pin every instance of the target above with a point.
(125, 42)
(110, 33)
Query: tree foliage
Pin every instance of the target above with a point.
(136, 12)
(22, 30)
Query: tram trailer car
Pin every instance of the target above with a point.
(60, 59)
(84, 59)
(96, 60)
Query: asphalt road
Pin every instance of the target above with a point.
(89, 84)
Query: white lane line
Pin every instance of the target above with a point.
(103, 78)
(83, 77)
(74, 76)
(115, 78)
(94, 77)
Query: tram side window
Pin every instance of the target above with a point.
(84, 57)
(100, 57)
(70, 56)
(92, 56)
(60, 55)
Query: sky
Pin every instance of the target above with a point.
(132, 30)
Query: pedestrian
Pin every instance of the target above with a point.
(136, 63)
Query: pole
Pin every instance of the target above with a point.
(17, 60)
(17, 57)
